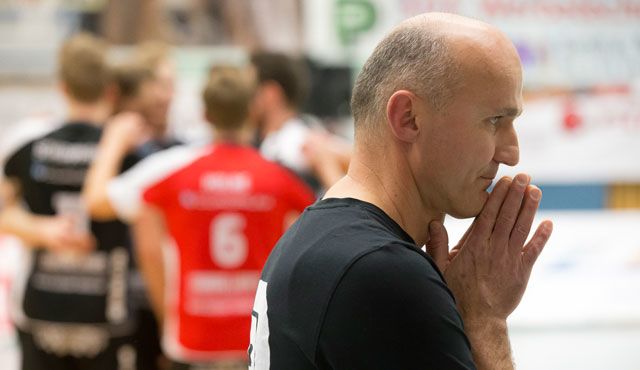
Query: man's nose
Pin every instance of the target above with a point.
(507, 149)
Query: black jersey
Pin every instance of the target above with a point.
(63, 287)
(347, 289)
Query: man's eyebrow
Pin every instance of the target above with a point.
(511, 112)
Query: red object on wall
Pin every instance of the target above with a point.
(571, 120)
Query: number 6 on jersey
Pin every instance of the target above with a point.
(228, 243)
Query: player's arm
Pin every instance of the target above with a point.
(55, 233)
(121, 134)
(489, 270)
(149, 232)
(342, 150)
(392, 310)
(328, 155)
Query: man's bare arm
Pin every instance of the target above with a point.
(149, 233)
(120, 135)
(328, 156)
(57, 233)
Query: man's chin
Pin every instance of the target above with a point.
(470, 208)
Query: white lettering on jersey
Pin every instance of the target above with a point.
(259, 354)
(236, 182)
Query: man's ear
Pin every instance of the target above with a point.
(401, 115)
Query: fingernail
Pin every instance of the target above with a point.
(521, 179)
(535, 194)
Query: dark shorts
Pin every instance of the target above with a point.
(118, 355)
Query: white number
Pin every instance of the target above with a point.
(229, 247)
(259, 352)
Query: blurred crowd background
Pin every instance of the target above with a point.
(579, 133)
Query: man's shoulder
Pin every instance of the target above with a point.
(74, 131)
(394, 303)
(394, 271)
(167, 162)
(306, 271)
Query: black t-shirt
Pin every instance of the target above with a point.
(62, 287)
(51, 171)
(347, 289)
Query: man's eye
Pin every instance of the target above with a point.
(494, 120)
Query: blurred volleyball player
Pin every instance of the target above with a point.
(138, 129)
(224, 207)
(283, 134)
(73, 310)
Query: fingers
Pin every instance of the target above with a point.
(522, 226)
(85, 243)
(534, 247)
(510, 209)
(125, 130)
(438, 245)
(64, 236)
(486, 219)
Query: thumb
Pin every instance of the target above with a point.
(438, 245)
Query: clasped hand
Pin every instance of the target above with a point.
(489, 269)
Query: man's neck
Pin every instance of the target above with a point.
(93, 113)
(276, 119)
(237, 137)
(380, 186)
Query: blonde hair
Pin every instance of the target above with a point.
(151, 54)
(227, 97)
(83, 67)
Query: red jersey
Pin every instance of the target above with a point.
(225, 208)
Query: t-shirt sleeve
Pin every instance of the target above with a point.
(17, 163)
(392, 310)
(126, 192)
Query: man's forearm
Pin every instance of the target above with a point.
(489, 344)
(152, 268)
(104, 168)
(16, 221)
(149, 233)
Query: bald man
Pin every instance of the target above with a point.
(348, 286)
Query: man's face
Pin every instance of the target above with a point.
(462, 146)
(160, 94)
(257, 110)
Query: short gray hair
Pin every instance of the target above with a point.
(413, 57)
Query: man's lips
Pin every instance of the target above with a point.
(489, 181)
